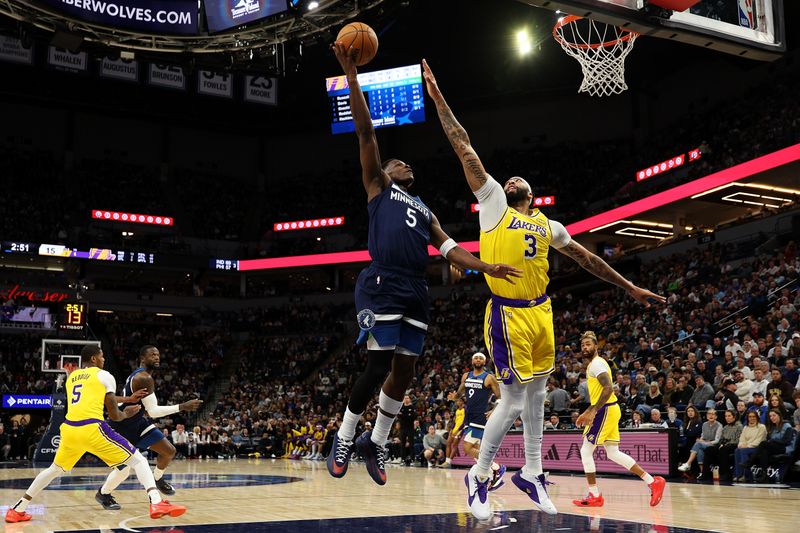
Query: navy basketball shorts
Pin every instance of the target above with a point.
(139, 431)
(392, 310)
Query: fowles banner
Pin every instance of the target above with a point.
(154, 16)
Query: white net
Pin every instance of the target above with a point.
(601, 50)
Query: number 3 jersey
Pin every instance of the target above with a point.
(516, 239)
(86, 393)
(399, 230)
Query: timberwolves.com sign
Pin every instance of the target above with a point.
(153, 16)
(26, 401)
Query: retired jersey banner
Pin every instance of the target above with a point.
(12, 51)
(152, 16)
(261, 90)
(170, 76)
(66, 60)
(120, 69)
(213, 84)
(561, 451)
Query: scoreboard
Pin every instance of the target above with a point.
(395, 97)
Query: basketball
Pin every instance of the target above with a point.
(362, 38)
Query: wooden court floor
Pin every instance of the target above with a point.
(282, 495)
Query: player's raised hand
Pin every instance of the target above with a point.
(191, 405)
(645, 297)
(346, 57)
(430, 81)
(131, 410)
(501, 271)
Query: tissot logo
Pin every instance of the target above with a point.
(242, 8)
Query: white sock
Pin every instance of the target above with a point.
(114, 479)
(594, 491)
(533, 424)
(498, 425)
(448, 460)
(495, 467)
(157, 473)
(349, 422)
(647, 478)
(383, 423)
(42, 480)
(142, 469)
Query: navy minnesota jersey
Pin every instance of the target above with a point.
(399, 230)
(477, 397)
(128, 391)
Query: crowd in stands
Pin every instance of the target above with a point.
(727, 340)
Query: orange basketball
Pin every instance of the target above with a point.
(362, 38)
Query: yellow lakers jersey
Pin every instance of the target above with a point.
(459, 417)
(598, 366)
(86, 394)
(522, 241)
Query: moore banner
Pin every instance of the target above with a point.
(151, 16)
(561, 451)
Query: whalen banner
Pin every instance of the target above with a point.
(561, 451)
(151, 16)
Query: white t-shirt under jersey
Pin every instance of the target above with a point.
(108, 381)
(493, 202)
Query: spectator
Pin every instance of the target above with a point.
(775, 402)
(5, 443)
(557, 398)
(709, 436)
(727, 395)
(703, 393)
(433, 444)
(722, 453)
(636, 420)
(780, 440)
(683, 394)
(780, 387)
(753, 434)
(759, 406)
(656, 420)
(759, 383)
(654, 397)
(553, 423)
(744, 386)
(180, 439)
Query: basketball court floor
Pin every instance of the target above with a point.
(261, 495)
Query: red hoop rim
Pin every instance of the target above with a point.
(569, 19)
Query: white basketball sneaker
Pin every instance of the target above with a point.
(536, 489)
(478, 495)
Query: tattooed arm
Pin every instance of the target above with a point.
(456, 134)
(592, 263)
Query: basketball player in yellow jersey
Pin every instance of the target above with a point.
(519, 319)
(84, 431)
(602, 427)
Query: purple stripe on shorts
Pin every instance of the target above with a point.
(115, 437)
(499, 346)
(597, 424)
(86, 422)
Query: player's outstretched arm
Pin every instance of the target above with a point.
(144, 381)
(456, 134)
(374, 178)
(592, 263)
(458, 256)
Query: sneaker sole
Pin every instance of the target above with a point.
(173, 513)
(107, 507)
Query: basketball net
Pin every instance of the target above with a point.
(601, 50)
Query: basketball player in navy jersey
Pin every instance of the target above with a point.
(141, 431)
(478, 385)
(391, 294)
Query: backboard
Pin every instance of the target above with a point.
(62, 355)
(749, 28)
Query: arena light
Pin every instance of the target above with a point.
(524, 43)
(132, 218)
(539, 201)
(313, 223)
(669, 164)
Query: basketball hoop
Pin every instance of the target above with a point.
(601, 50)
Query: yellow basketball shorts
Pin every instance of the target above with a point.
(520, 338)
(91, 436)
(605, 427)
